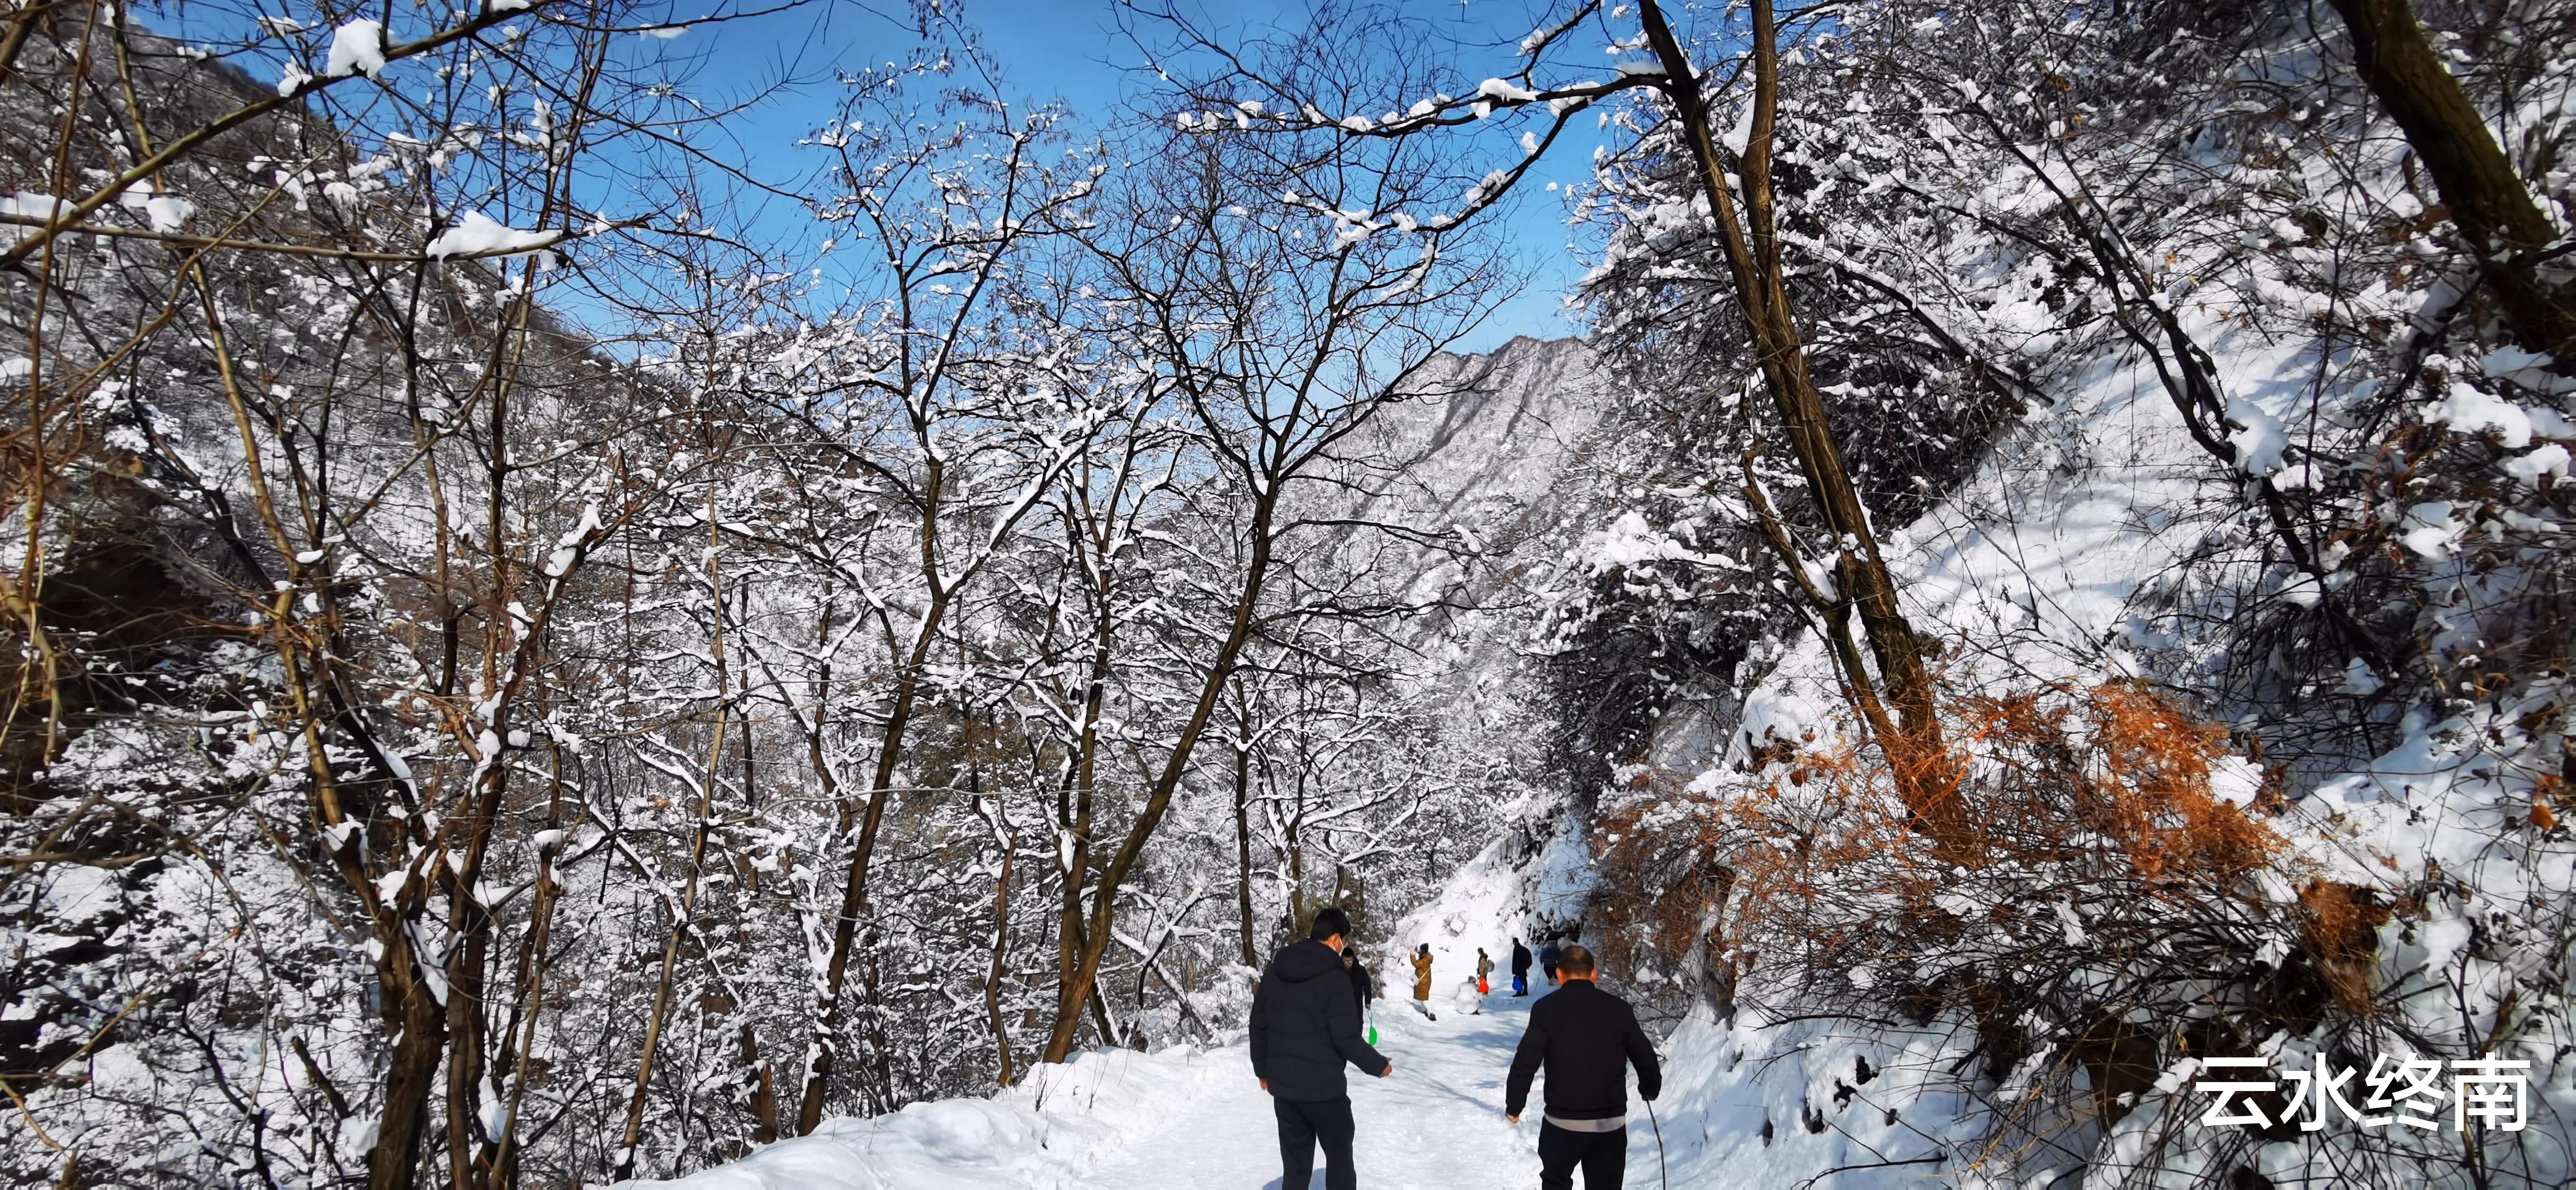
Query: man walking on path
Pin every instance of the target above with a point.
(1304, 1027)
(1586, 1038)
(1547, 956)
(1484, 971)
(1359, 973)
(1520, 968)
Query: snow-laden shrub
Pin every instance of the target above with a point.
(2131, 900)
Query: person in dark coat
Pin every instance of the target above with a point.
(1547, 956)
(1363, 988)
(1520, 968)
(1586, 1039)
(1304, 1028)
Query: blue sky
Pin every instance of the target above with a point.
(1071, 50)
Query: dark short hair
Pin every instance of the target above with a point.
(1574, 960)
(1329, 921)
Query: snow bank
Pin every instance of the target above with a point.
(950, 1142)
(1777, 1106)
(1043, 1134)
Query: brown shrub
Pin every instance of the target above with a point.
(2339, 932)
(2103, 874)
(2121, 762)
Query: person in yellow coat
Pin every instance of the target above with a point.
(1422, 982)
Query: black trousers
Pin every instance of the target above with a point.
(1603, 1156)
(1303, 1124)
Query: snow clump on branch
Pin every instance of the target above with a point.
(478, 234)
(356, 48)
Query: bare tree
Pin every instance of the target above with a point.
(1734, 174)
(1279, 333)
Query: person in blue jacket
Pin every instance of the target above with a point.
(1305, 1028)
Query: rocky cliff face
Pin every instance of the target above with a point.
(1492, 468)
(1502, 447)
(1509, 470)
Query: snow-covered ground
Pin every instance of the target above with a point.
(1437, 1121)
(1190, 1117)
(1193, 1117)
(1186, 1117)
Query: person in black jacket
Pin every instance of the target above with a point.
(1586, 1038)
(1304, 1027)
(1520, 968)
(1360, 981)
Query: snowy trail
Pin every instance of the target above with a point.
(1436, 1122)
(1117, 1120)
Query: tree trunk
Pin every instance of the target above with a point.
(1916, 754)
(1001, 953)
(1009, 839)
(1294, 838)
(468, 958)
(1243, 843)
(760, 1079)
(682, 912)
(423, 1034)
(660, 1012)
(549, 891)
(854, 893)
(416, 1021)
(1104, 896)
(764, 1089)
(1079, 779)
(2476, 180)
